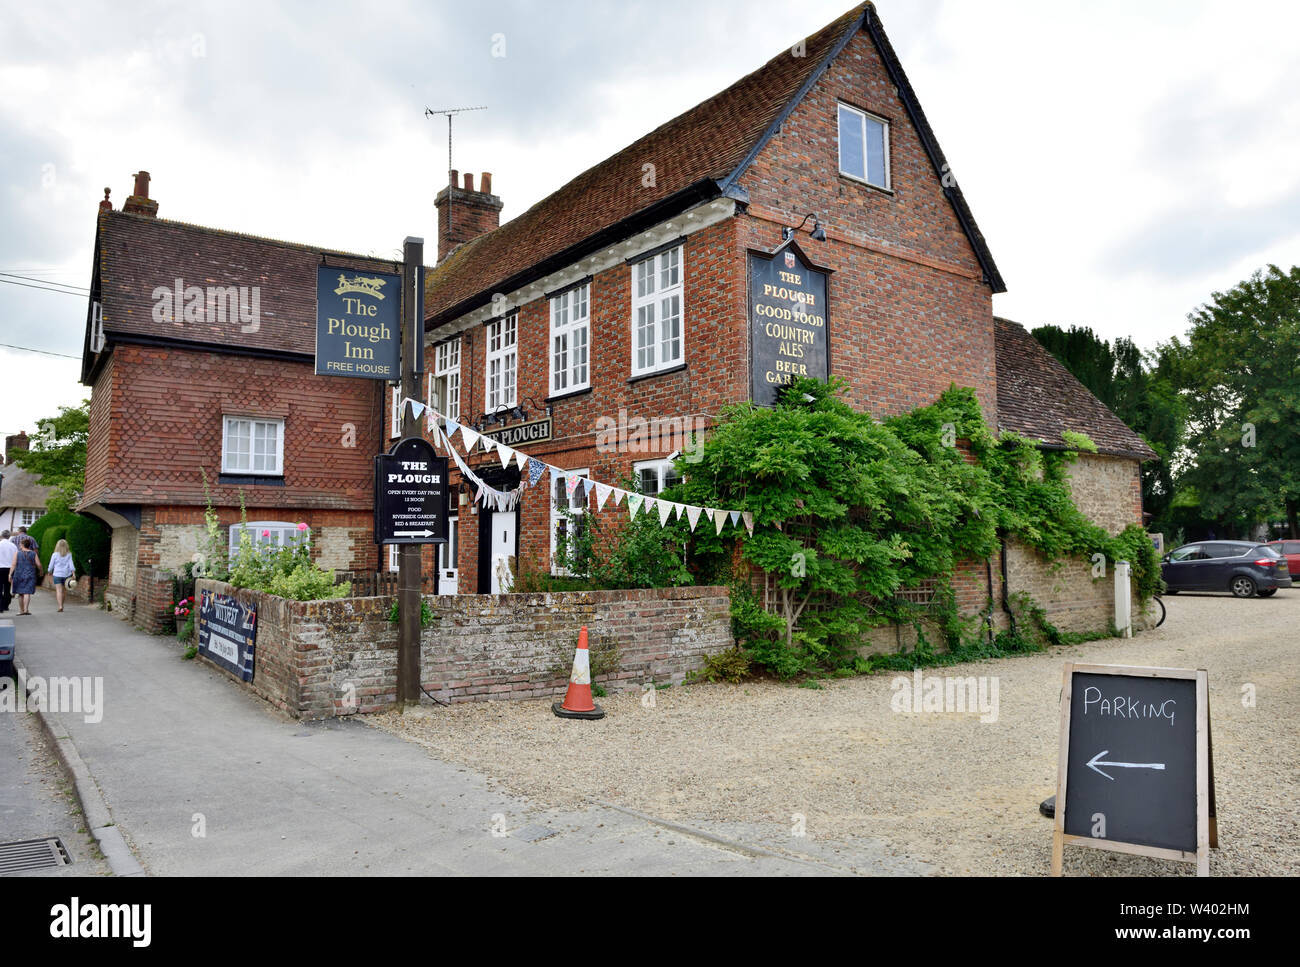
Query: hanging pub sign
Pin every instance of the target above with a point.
(228, 632)
(787, 321)
(411, 494)
(358, 323)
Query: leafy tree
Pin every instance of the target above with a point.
(1239, 371)
(58, 455)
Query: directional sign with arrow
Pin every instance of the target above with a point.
(1093, 763)
(411, 494)
(1135, 773)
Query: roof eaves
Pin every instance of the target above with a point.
(729, 182)
(706, 189)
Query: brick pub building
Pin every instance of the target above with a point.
(625, 296)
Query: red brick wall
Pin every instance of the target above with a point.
(166, 428)
(314, 658)
(909, 313)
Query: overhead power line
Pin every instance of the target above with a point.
(44, 352)
(45, 288)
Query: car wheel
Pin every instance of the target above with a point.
(1269, 593)
(1242, 586)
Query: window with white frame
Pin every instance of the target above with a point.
(653, 476)
(561, 500)
(570, 338)
(273, 534)
(657, 312)
(27, 517)
(444, 380)
(864, 146)
(394, 414)
(253, 446)
(502, 362)
(394, 557)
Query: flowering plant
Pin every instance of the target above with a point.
(183, 607)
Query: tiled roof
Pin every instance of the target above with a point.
(1040, 398)
(137, 254)
(694, 155)
(21, 489)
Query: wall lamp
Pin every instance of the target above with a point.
(544, 407)
(818, 233)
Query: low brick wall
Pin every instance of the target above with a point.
(317, 659)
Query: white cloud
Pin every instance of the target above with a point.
(1124, 161)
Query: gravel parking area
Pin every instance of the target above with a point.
(945, 790)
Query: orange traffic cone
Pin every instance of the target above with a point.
(577, 700)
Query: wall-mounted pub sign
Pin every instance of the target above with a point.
(358, 323)
(787, 321)
(536, 431)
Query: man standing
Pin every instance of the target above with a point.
(22, 536)
(7, 554)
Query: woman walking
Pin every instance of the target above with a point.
(23, 575)
(61, 569)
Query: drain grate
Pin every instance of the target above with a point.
(33, 854)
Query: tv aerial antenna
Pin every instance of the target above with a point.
(449, 112)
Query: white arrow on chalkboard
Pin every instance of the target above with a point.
(429, 533)
(1093, 764)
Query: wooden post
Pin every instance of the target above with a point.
(409, 578)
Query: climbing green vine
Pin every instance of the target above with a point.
(850, 514)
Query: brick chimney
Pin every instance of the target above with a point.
(465, 214)
(140, 203)
(13, 444)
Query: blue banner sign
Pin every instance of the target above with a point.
(227, 633)
(358, 323)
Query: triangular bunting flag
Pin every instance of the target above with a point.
(571, 483)
(470, 437)
(521, 459)
(735, 517)
(535, 470)
(619, 495)
(749, 522)
(693, 515)
(452, 427)
(602, 495)
(665, 512)
(416, 407)
(719, 520)
(506, 455)
(634, 502)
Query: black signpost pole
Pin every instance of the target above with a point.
(409, 576)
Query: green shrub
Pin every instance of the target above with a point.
(88, 539)
(731, 665)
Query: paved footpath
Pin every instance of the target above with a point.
(182, 750)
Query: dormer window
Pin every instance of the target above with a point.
(864, 147)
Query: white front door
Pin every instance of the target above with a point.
(448, 554)
(503, 549)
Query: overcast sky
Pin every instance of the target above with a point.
(1123, 160)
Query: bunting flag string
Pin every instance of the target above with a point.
(533, 470)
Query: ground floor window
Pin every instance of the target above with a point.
(561, 524)
(653, 476)
(28, 517)
(268, 533)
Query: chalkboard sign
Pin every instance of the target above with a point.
(1135, 771)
